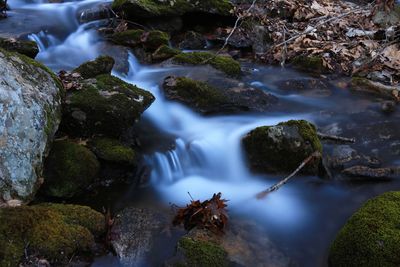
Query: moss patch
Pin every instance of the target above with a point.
(113, 150)
(283, 147)
(222, 63)
(371, 237)
(150, 41)
(106, 106)
(53, 231)
(91, 69)
(28, 48)
(164, 52)
(309, 63)
(69, 169)
(202, 253)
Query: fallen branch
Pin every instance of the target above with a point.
(275, 187)
(323, 136)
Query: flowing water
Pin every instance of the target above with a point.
(302, 217)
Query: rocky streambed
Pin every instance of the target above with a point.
(107, 121)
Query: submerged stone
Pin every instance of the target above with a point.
(371, 237)
(281, 148)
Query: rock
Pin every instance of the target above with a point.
(313, 64)
(359, 84)
(193, 40)
(388, 106)
(55, 232)
(69, 169)
(30, 104)
(243, 244)
(251, 99)
(281, 148)
(371, 237)
(105, 105)
(27, 48)
(91, 69)
(385, 19)
(198, 95)
(305, 86)
(136, 231)
(139, 9)
(150, 41)
(164, 52)
(95, 13)
(223, 63)
(376, 174)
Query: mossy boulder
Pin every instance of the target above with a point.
(112, 150)
(225, 64)
(91, 69)
(55, 232)
(69, 169)
(27, 48)
(313, 64)
(281, 148)
(149, 40)
(371, 237)
(105, 105)
(164, 52)
(139, 9)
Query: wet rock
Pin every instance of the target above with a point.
(105, 105)
(91, 69)
(96, 13)
(305, 86)
(388, 106)
(364, 172)
(30, 97)
(164, 52)
(313, 64)
(69, 169)
(55, 232)
(27, 48)
(251, 99)
(138, 9)
(135, 231)
(193, 40)
(243, 244)
(223, 63)
(359, 84)
(371, 236)
(281, 148)
(149, 41)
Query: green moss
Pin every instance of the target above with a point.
(113, 150)
(164, 52)
(138, 38)
(110, 106)
(91, 69)
(131, 38)
(69, 169)
(371, 237)
(283, 147)
(28, 48)
(309, 63)
(200, 253)
(45, 231)
(222, 63)
(155, 39)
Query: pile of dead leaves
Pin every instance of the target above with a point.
(70, 80)
(210, 214)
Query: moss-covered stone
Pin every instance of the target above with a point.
(150, 40)
(28, 48)
(199, 253)
(309, 63)
(198, 95)
(112, 150)
(164, 52)
(69, 169)
(55, 232)
(91, 69)
(106, 105)
(283, 147)
(136, 9)
(371, 237)
(222, 63)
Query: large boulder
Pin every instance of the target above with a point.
(371, 237)
(30, 108)
(54, 232)
(105, 105)
(281, 148)
(138, 9)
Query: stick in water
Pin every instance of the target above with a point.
(275, 187)
(336, 138)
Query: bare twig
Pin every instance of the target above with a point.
(275, 187)
(336, 138)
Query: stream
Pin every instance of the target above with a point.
(303, 217)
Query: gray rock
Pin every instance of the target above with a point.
(30, 108)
